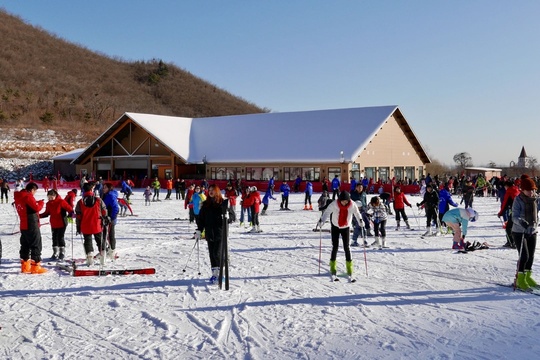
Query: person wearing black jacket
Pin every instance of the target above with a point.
(431, 204)
(211, 222)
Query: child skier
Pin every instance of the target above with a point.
(57, 208)
(399, 207)
(147, 196)
(377, 211)
(341, 213)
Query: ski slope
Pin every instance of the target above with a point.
(418, 299)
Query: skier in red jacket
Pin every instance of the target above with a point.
(28, 209)
(399, 207)
(58, 209)
(91, 217)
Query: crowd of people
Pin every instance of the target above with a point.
(96, 213)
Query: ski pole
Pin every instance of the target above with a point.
(190, 254)
(519, 260)
(416, 217)
(320, 249)
(198, 258)
(365, 256)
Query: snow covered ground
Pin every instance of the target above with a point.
(419, 300)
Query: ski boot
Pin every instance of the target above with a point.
(521, 282)
(54, 256)
(529, 279)
(35, 268)
(215, 274)
(26, 266)
(61, 254)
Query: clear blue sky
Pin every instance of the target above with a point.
(466, 74)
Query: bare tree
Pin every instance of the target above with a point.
(463, 160)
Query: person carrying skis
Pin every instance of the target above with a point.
(458, 220)
(110, 198)
(341, 213)
(525, 218)
(400, 200)
(309, 193)
(124, 207)
(28, 208)
(511, 193)
(211, 223)
(378, 213)
(285, 190)
(58, 209)
(91, 216)
(430, 203)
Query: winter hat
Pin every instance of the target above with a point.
(473, 215)
(344, 195)
(528, 184)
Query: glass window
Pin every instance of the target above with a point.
(268, 172)
(409, 173)
(333, 171)
(370, 173)
(383, 173)
(399, 173)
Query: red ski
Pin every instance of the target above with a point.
(143, 271)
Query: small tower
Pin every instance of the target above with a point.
(523, 159)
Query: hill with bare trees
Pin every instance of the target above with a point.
(49, 84)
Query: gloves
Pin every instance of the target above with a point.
(417, 204)
(524, 223)
(320, 224)
(106, 220)
(197, 235)
(410, 205)
(531, 230)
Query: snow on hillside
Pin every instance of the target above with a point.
(418, 300)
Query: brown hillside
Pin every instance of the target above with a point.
(47, 82)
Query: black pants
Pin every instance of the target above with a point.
(214, 247)
(431, 215)
(58, 237)
(379, 228)
(335, 192)
(88, 248)
(31, 244)
(401, 213)
(4, 193)
(284, 202)
(109, 235)
(345, 234)
(307, 199)
(526, 254)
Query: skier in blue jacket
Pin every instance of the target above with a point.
(266, 200)
(285, 190)
(445, 200)
(110, 199)
(307, 199)
(335, 186)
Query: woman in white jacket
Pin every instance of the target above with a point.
(341, 213)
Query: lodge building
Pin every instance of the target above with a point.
(373, 142)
